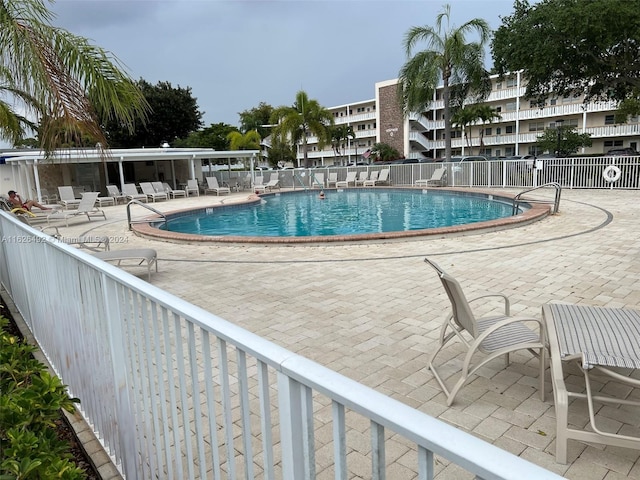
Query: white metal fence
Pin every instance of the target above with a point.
(574, 172)
(175, 392)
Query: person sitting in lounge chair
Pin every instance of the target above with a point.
(17, 202)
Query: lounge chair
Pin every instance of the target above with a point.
(351, 179)
(45, 196)
(258, 184)
(332, 179)
(317, 180)
(438, 179)
(373, 178)
(87, 206)
(67, 197)
(146, 256)
(214, 186)
(362, 176)
(150, 192)
(274, 181)
(383, 177)
(114, 192)
(192, 187)
(131, 191)
(493, 336)
(173, 193)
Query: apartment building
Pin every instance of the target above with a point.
(421, 135)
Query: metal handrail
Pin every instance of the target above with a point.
(138, 202)
(556, 202)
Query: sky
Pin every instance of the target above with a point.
(234, 54)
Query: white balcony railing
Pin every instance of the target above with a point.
(173, 391)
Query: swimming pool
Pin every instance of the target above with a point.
(349, 214)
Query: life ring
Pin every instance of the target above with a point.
(611, 173)
(22, 211)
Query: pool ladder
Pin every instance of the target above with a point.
(518, 199)
(138, 202)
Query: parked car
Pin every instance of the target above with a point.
(457, 160)
(529, 159)
(622, 152)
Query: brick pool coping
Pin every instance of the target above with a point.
(535, 212)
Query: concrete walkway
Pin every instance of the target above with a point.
(373, 311)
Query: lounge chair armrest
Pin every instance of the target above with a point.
(507, 303)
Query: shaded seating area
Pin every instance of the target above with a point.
(86, 207)
(485, 338)
(214, 186)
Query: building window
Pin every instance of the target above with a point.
(510, 106)
(487, 131)
(537, 103)
(511, 82)
(609, 119)
(553, 101)
(498, 109)
(498, 130)
(499, 86)
(508, 129)
(536, 126)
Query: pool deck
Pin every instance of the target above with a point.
(372, 311)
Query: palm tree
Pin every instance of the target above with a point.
(244, 141)
(486, 114)
(58, 80)
(304, 117)
(384, 152)
(339, 135)
(477, 114)
(448, 57)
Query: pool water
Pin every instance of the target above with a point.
(341, 212)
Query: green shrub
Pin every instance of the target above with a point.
(30, 404)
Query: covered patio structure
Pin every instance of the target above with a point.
(32, 171)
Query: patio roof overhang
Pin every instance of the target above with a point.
(124, 155)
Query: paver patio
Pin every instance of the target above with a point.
(373, 311)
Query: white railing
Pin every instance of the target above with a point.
(175, 392)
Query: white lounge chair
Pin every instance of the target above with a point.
(131, 191)
(150, 192)
(383, 177)
(350, 180)
(67, 197)
(114, 192)
(317, 180)
(192, 187)
(258, 184)
(146, 256)
(373, 178)
(362, 176)
(87, 206)
(214, 186)
(274, 181)
(173, 193)
(332, 179)
(494, 336)
(438, 179)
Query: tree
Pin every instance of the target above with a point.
(281, 153)
(244, 141)
(340, 134)
(448, 57)
(562, 140)
(256, 119)
(214, 136)
(295, 123)
(62, 83)
(573, 48)
(383, 152)
(174, 114)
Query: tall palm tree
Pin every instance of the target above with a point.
(486, 114)
(448, 57)
(244, 141)
(298, 121)
(340, 134)
(62, 84)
